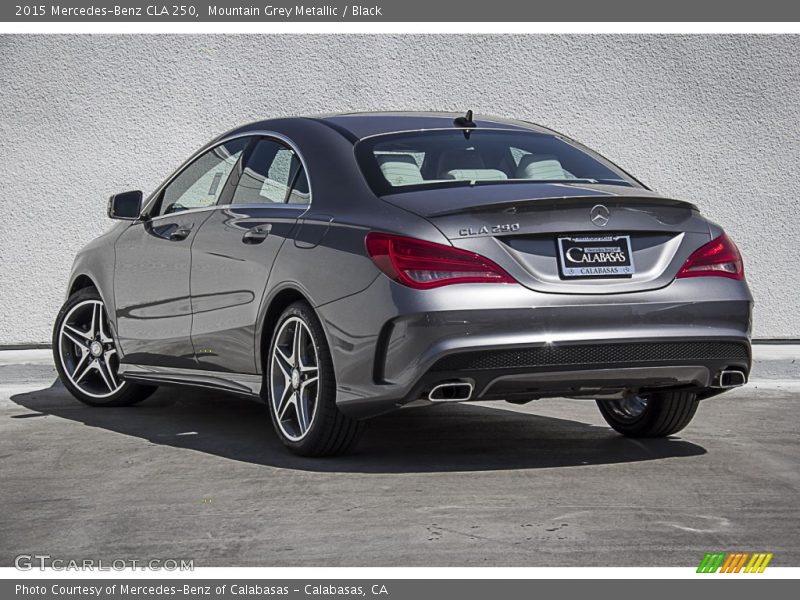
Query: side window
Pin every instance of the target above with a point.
(271, 174)
(200, 184)
(300, 193)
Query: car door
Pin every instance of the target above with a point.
(235, 249)
(153, 262)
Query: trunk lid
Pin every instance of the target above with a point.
(528, 229)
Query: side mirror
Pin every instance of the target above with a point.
(125, 206)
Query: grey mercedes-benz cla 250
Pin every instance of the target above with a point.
(343, 266)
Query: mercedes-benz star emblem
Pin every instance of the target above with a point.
(599, 215)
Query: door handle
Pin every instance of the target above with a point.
(257, 234)
(180, 234)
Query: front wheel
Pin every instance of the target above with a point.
(302, 388)
(85, 354)
(649, 415)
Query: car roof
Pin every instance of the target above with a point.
(358, 125)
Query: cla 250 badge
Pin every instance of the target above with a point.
(488, 229)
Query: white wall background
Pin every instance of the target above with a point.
(84, 116)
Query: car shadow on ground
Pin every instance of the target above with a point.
(456, 437)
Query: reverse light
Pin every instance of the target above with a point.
(719, 257)
(424, 265)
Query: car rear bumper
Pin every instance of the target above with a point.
(392, 345)
(588, 369)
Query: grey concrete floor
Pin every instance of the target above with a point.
(196, 474)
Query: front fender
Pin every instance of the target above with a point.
(96, 261)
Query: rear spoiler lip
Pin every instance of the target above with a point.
(551, 202)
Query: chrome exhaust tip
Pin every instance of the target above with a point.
(730, 379)
(451, 391)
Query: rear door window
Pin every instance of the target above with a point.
(272, 174)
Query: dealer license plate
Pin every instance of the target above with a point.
(595, 256)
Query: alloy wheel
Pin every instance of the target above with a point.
(628, 408)
(88, 352)
(294, 378)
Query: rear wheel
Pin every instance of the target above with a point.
(649, 415)
(302, 388)
(85, 354)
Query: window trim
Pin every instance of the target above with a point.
(255, 134)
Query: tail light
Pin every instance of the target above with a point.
(719, 257)
(424, 265)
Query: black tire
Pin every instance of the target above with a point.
(330, 432)
(665, 414)
(127, 394)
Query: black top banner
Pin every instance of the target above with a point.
(402, 11)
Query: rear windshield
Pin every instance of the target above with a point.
(410, 161)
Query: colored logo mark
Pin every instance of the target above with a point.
(734, 562)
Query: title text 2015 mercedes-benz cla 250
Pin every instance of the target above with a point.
(344, 266)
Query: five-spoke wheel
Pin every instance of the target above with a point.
(301, 387)
(294, 378)
(86, 355)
